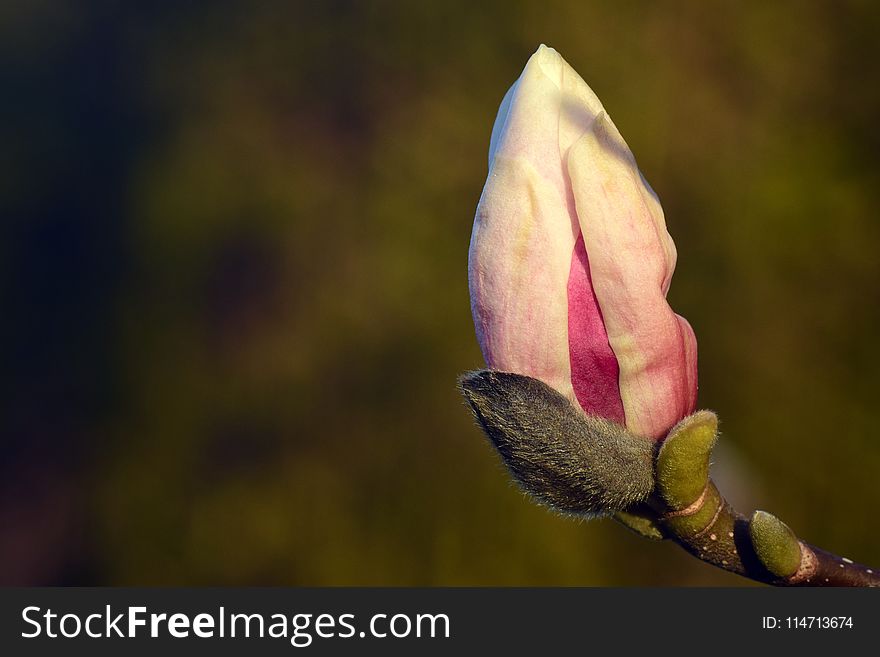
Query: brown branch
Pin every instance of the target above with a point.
(832, 570)
(690, 510)
(717, 534)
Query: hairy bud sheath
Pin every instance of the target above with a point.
(572, 462)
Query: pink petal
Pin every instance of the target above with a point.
(631, 260)
(594, 370)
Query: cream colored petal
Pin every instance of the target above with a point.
(519, 263)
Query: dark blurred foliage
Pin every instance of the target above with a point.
(233, 255)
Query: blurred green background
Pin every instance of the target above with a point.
(234, 248)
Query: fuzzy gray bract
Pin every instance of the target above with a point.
(570, 461)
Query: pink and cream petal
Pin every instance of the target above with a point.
(631, 259)
(518, 274)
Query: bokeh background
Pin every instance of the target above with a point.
(233, 254)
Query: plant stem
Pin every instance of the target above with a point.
(726, 541)
(688, 508)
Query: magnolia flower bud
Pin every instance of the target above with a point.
(570, 260)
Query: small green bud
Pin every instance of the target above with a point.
(775, 544)
(683, 460)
